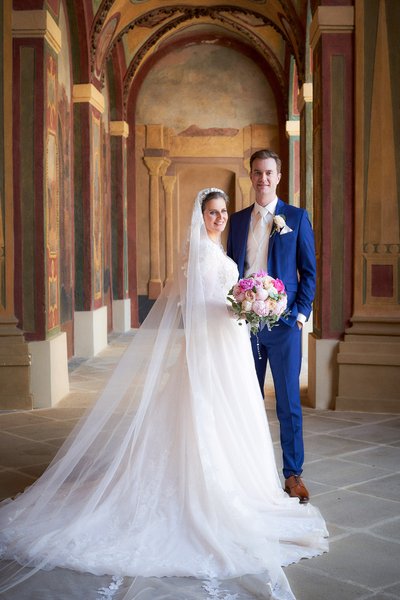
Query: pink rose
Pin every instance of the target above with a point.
(279, 286)
(261, 294)
(250, 295)
(238, 294)
(246, 284)
(260, 308)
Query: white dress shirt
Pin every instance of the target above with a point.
(258, 239)
(257, 242)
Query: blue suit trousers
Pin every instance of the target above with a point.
(281, 347)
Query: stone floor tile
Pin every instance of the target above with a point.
(394, 590)
(362, 559)
(384, 456)
(357, 417)
(309, 584)
(17, 452)
(63, 413)
(353, 510)
(13, 482)
(56, 429)
(331, 445)
(385, 487)
(389, 530)
(323, 424)
(339, 473)
(18, 418)
(373, 432)
(33, 470)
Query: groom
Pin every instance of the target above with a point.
(276, 237)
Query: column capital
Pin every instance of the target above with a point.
(119, 128)
(36, 24)
(305, 95)
(331, 19)
(87, 92)
(156, 165)
(293, 128)
(168, 182)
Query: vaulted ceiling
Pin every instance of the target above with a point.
(271, 31)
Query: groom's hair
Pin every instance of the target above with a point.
(266, 153)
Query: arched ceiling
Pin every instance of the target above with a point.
(140, 28)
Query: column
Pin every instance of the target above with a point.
(37, 43)
(157, 166)
(119, 132)
(293, 135)
(90, 318)
(245, 186)
(331, 37)
(305, 106)
(169, 182)
(14, 356)
(369, 356)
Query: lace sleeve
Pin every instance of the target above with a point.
(209, 265)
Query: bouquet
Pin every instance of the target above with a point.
(258, 299)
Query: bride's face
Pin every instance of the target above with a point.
(215, 217)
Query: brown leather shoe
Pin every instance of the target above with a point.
(295, 487)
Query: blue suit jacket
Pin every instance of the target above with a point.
(291, 256)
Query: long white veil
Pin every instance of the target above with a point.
(141, 445)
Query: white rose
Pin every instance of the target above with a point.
(279, 221)
(246, 306)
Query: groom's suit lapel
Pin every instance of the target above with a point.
(280, 210)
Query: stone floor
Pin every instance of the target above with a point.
(352, 469)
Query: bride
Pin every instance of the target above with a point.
(169, 482)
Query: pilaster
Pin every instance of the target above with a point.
(305, 107)
(245, 187)
(369, 356)
(169, 182)
(36, 44)
(292, 129)
(119, 132)
(157, 166)
(331, 37)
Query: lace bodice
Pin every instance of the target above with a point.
(218, 271)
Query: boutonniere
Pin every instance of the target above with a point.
(279, 225)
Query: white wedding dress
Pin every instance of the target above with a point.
(170, 479)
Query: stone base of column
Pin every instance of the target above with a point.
(155, 287)
(369, 361)
(49, 371)
(121, 315)
(90, 332)
(322, 372)
(15, 367)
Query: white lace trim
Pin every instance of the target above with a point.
(212, 587)
(110, 591)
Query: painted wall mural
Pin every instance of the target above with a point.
(66, 270)
(52, 198)
(97, 209)
(186, 81)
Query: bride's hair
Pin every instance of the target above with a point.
(211, 195)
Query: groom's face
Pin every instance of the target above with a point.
(265, 178)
